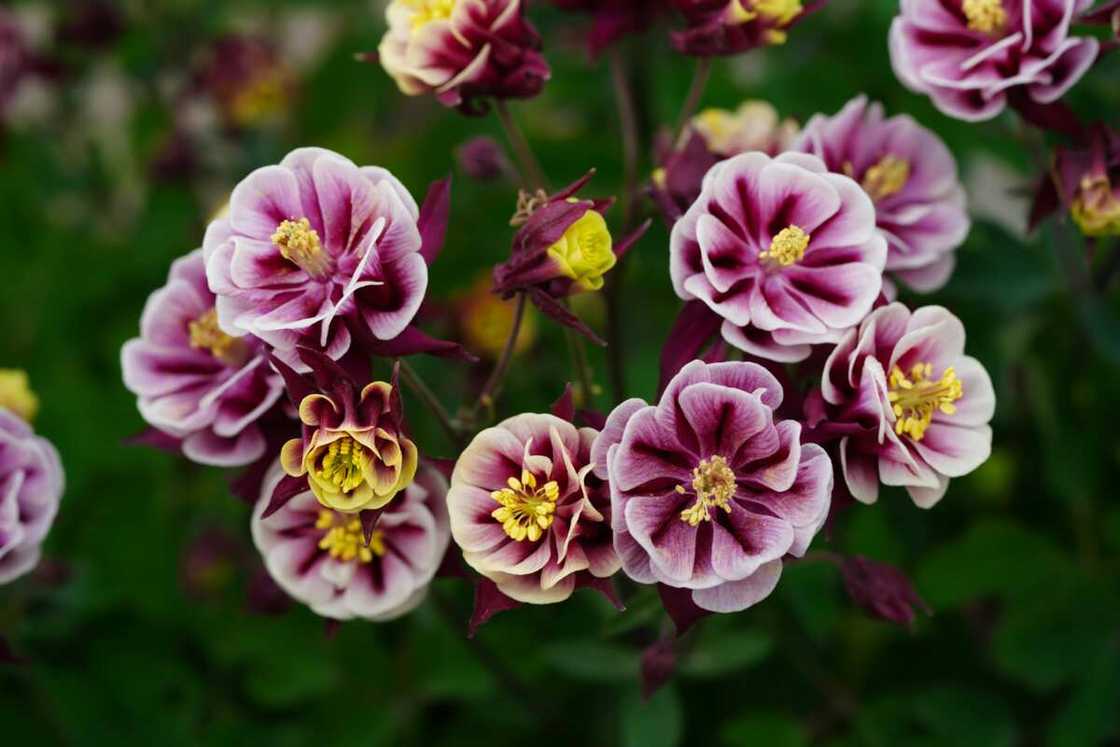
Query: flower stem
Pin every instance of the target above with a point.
(530, 168)
(700, 77)
(490, 389)
(583, 367)
(429, 398)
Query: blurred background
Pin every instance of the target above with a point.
(149, 618)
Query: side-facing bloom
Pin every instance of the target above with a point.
(462, 50)
(918, 407)
(911, 177)
(31, 485)
(725, 27)
(527, 511)
(321, 558)
(314, 251)
(708, 491)
(353, 450)
(1089, 183)
(784, 251)
(193, 381)
(970, 56)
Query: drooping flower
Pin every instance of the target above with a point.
(917, 408)
(708, 491)
(193, 381)
(712, 136)
(1087, 182)
(527, 511)
(784, 252)
(726, 27)
(462, 50)
(31, 485)
(973, 56)
(321, 558)
(910, 176)
(317, 251)
(16, 394)
(882, 590)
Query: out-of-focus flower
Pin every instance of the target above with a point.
(712, 136)
(23, 66)
(708, 491)
(31, 485)
(321, 557)
(312, 241)
(195, 382)
(910, 176)
(482, 158)
(16, 394)
(614, 19)
(563, 246)
(527, 511)
(248, 79)
(486, 320)
(210, 562)
(462, 50)
(353, 451)
(784, 251)
(91, 23)
(882, 590)
(971, 56)
(725, 27)
(1087, 181)
(913, 406)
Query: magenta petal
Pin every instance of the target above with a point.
(735, 596)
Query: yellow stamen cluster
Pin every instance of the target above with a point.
(788, 247)
(713, 482)
(205, 334)
(344, 539)
(16, 394)
(887, 177)
(585, 252)
(526, 510)
(1096, 208)
(426, 11)
(985, 16)
(299, 243)
(344, 464)
(915, 398)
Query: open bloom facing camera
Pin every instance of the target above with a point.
(708, 490)
(969, 56)
(321, 557)
(785, 252)
(918, 405)
(31, 485)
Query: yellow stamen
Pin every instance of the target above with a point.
(915, 398)
(886, 177)
(713, 482)
(788, 247)
(344, 464)
(206, 335)
(985, 16)
(426, 11)
(16, 394)
(344, 539)
(526, 510)
(299, 243)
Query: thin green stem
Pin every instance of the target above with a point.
(531, 171)
(578, 351)
(431, 401)
(493, 384)
(700, 76)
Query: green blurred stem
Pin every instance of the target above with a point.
(578, 351)
(700, 77)
(493, 384)
(431, 401)
(530, 168)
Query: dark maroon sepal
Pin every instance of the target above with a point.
(1055, 116)
(604, 586)
(288, 487)
(627, 243)
(680, 607)
(370, 518)
(433, 219)
(412, 341)
(560, 313)
(1045, 202)
(330, 628)
(564, 407)
(296, 385)
(882, 590)
(488, 601)
(695, 326)
(156, 439)
(452, 564)
(659, 664)
(574, 187)
(591, 419)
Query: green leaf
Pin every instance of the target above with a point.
(656, 723)
(758, 729)
(593, 661)
(724, 652)
(1092, 714)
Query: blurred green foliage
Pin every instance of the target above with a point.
(1020, 562)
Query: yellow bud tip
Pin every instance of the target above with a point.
(16, 394)
(585, 252)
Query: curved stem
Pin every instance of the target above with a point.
(429, 398)
(582, 365)
(530, 168)
(695, 91)
(490, 388)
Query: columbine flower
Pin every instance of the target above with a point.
(321, 557)
(910, 176)
(712, 136)
(725, 27)
(527, 511)
(917, 406)
(970, 56)
(16, 395)
(485, 321)
(31, 485)
(317, 250)
(353, 450)
(193, 381)
(247, 79)
(614, 19)
(462, 50)
(785, 252)
(1088, 182)
(708, 491)
(563, 246)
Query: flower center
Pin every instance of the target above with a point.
(985, 16)
(344, 539)
(205, 334)
(426, 11)
(344, 464)
(886, 177)
(526, 510)
(299, 243)
(915, 398)
(788, 247)
(713, 482)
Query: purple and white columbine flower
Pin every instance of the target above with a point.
(969, 56)
(528, 512)
(193, 381)
(784, 251)
(31, 485)
(320, 556)
(315, 250)
(708, 491)
(918, 407)
(910, 176)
